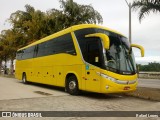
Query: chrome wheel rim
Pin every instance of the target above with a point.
(24, 79)
(72, 85)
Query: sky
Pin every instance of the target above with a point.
(115, 16)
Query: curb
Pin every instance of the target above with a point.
(146, 93)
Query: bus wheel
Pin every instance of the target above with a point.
(24, 78)
(72, 85)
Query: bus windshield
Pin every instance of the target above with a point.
(119, 58)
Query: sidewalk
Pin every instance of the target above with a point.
(146, 93)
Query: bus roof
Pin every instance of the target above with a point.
(67, 30)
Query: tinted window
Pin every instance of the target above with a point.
(41, 49)
(62, 44)
(94, 52)
(50, 47)
(25, 53)
(28, 53)
(80, 35)
(19, 55)
(91, 47)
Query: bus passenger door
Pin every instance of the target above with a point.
(93, 63)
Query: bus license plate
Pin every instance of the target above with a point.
(127, 88)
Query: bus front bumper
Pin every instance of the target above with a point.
(119, 86)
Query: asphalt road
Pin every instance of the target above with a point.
(149, 83)
(16, 96)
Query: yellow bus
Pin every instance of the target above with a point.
(84, 57)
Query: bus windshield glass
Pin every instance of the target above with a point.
(119, 58)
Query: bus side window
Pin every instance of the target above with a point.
(41, 49)
(35, 51)
(64, 44)
(23, 54)
(19, 55)
(50, 47)
(28, 53)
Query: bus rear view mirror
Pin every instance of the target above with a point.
(104, 37)
(139, 47)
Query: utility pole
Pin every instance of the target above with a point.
(130, 26)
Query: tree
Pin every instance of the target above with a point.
(1, 56)
(154, 67)
(146, 6)
(70, 14)
(34, 24)
(4, 49)
(10, 41)
(31, 25)
(79, 14)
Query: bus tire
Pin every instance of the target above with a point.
(72, 85)
(24, 78)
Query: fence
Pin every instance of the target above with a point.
(149, 75)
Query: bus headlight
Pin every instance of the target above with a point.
(118, 81)
(108, 77)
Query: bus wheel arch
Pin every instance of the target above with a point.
(71, 84)
(24, 78)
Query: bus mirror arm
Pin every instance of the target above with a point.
(104, 37)
(139, 47)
